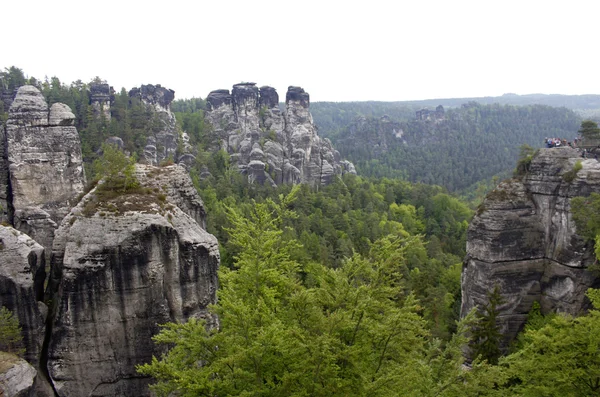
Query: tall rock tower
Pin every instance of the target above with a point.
(271, 146)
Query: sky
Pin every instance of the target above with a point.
(350, 50)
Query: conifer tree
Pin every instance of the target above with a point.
(486, 335)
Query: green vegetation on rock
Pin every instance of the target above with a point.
(11, 340)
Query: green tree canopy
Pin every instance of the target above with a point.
(589, 130)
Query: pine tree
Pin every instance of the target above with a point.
(485, 334)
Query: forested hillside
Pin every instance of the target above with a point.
(464, 146)
(330, 115)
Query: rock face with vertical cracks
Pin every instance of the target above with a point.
(22, 274)
(44, 162)
(524, 240)
(120, 268)
(268, 145)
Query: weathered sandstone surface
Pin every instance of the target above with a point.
(120, 268)
(524, 240)
(42, 170)
(268, 145)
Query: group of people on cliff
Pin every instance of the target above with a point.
(558, 142)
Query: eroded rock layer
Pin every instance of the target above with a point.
(268, 145)
(44, 163)
(22, 274)
(119, 269)
(524, 240)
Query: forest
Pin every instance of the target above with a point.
(467, 145)
(351, 289)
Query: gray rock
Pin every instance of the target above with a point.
(18, 380)
(101, 97)
(217, 98)
(5, 194)
(22, 275)
(251, 116)
(61, 115)
(122, 269)
(115, 141)
(524, 240)
(164, 137)
(269, 97)
(29, 108)
(44, 162)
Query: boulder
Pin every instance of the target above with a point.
(17, 377)
(60, 115)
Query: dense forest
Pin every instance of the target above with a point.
(456, 149)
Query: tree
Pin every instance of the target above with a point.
(11, 340)
(116, 168)
(589, 130)
(526, 154)
(296, 329)
(559, 359)
(486, 335)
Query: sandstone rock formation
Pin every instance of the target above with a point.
(524, 240)
(101, 97)
(120, 267)
(17, 377)
(22, 274)
(42, 171)
(270, 146)
(164, 141)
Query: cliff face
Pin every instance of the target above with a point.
(119, 266)
(101, 96)
(525, 241)
(22, 274)
(43, 163)
(270, 146)
(163, 142)
(120, 269)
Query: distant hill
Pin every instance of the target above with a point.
(330, 117)
(455, 148)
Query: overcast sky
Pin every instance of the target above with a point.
(336, 50)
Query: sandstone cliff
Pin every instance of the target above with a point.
(268, 145)
(163, 141)
(42, 171)
(101, 97)
(524, 240)
(22, 274)
(120, 267)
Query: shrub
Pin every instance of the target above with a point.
(569, 176)
(526, 154)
